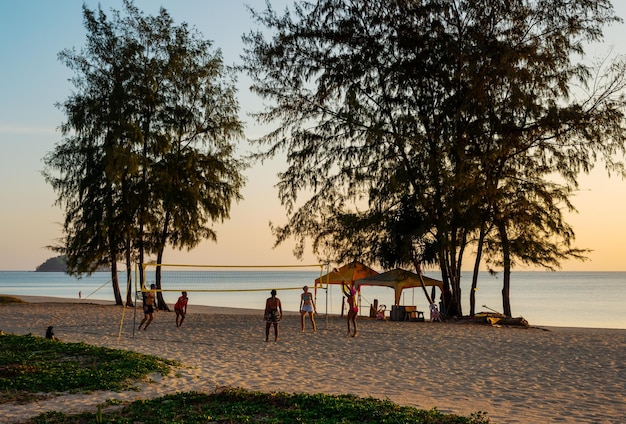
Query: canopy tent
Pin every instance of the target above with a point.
(348, 274)
(398, 279)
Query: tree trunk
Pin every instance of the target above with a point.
(479, 250)
(115, 283)
(161, 304)
(129, 287)
(418, 270)
(506, 300)
(449, 304)
(506, 258)
(144, 197)
(458, 259)
(129, 279)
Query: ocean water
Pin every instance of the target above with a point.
(569, 299)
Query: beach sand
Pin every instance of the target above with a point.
(516, 375)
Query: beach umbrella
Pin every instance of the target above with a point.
(398, 279)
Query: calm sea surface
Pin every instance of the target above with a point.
(571, 299)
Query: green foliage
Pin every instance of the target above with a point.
(34, 364)
(147, 156)
(419, 127)
(242, 406)
(10, 299)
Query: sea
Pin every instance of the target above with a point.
(561, 299)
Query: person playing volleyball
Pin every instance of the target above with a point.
(148, 307)
(273, 314)
(353, 308)
(180, 307)
(307, 305)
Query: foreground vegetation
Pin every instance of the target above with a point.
(242, 406)
(5, 300)
(34, 365)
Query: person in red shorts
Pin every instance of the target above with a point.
(180, 307)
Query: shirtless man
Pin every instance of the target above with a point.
(148, 307)
(273, 314)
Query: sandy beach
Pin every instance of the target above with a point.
(516, 375)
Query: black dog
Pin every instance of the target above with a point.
(50, 333)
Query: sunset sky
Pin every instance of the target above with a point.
(32, 80)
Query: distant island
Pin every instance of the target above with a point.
(59, 264)
(56, 264)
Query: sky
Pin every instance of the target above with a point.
(33, 80)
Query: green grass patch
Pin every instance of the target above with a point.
(5, 300)
(33, 365)
(242, 406)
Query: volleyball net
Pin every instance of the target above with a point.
(228, 278)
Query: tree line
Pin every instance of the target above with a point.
(414, 132)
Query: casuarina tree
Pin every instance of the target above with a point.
(408, 124)
(147, 157)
